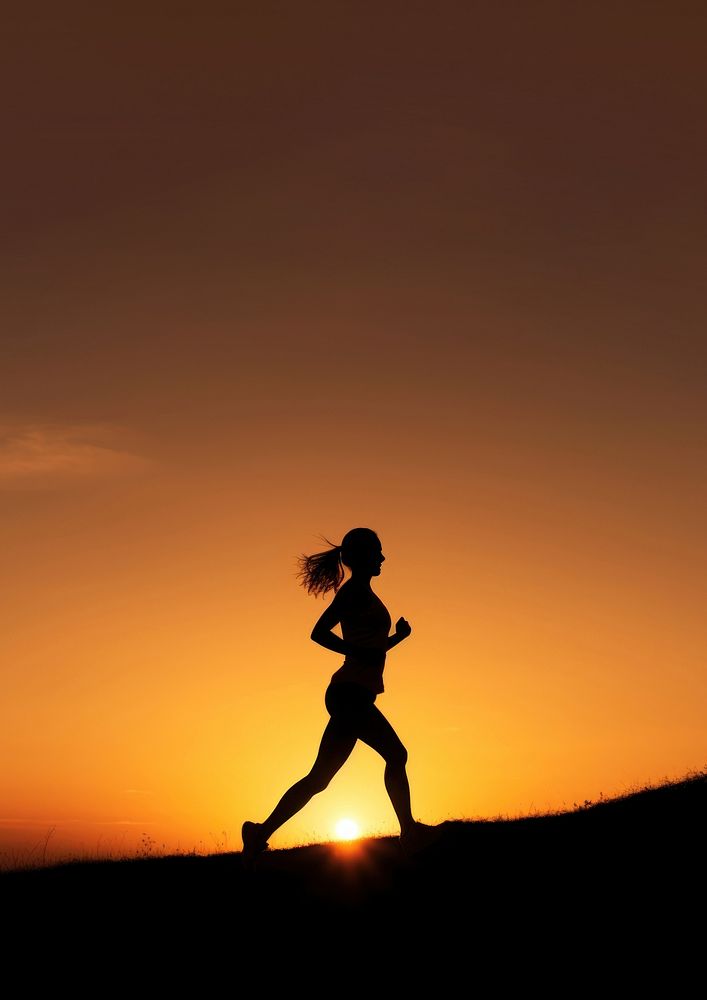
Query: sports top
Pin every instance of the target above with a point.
(366, 624)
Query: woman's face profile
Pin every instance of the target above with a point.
(372, 557)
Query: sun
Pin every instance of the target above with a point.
(347, 829)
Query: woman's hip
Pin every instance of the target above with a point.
(344, 698)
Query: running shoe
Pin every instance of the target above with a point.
(419, 837)
(253, 843)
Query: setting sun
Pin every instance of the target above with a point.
(347, 829)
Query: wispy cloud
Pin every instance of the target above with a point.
(51, 455)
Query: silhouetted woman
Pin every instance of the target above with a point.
(350, 697)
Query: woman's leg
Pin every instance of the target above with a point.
(375, 730)
(335, 748)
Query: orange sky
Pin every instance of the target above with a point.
(278, 273)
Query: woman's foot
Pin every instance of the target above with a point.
(254, 843)
(417, 837)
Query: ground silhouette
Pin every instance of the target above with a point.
(575, 887)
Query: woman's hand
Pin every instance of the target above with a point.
(402, 629)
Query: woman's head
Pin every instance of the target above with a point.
(360, 549)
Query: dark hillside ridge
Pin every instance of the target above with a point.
(620, 869)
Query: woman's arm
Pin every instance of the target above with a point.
(402, 631)
(330, 640)
(331, 616)
(323, 635)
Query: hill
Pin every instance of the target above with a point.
(582, 883)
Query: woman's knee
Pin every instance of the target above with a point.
(397, 756)
(318, 781)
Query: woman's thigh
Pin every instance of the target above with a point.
(354, 716)
(337, 743)
(375, 730)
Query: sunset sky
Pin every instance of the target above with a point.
(272, 271)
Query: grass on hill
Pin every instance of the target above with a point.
(603, 878)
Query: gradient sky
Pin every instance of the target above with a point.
(272, 271)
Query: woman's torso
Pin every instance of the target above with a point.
(366, 622)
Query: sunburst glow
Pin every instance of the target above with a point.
(347, 829)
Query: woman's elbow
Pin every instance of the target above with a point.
(322, 637)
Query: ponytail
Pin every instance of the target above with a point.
(322, 571)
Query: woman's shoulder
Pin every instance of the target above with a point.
(347, 592)
(351, 593)
(357, 597)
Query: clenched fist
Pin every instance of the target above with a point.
(402, 628)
